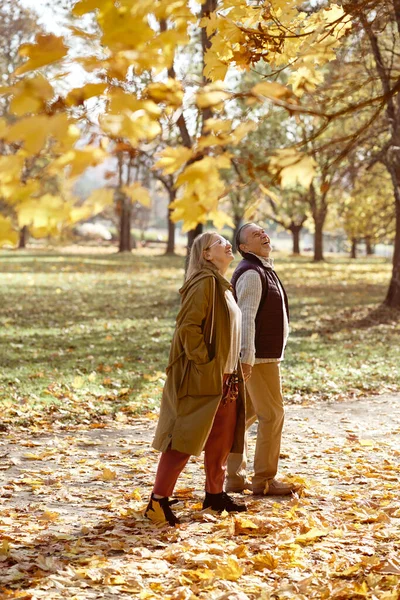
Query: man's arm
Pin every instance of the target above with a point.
(248, 292)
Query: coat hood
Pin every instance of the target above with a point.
(208, 271)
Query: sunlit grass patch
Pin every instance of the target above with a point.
(86, 336)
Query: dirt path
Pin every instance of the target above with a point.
(71, 507)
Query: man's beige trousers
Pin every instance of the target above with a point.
(265, 404)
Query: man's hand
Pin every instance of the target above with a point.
(246, 371)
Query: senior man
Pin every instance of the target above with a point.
(265, 329)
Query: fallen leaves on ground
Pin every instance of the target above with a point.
(73, 526)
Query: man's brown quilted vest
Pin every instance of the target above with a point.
(269, 319)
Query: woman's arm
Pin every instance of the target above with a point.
(190, 320)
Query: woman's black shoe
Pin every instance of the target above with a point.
(159, 511)
(222, 501)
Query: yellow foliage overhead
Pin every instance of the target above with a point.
(170, 92)
(8, 235)
(135, 37)
(47, 49)
(78, 95)
(97, 201)
(47, 212)
(34, 131)
(137, 193)
(79, 160)
(29, 95)
(211, 96)
(200, 188)
(172, 159)
(271, 89)
(293, 167)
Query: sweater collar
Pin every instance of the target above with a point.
(266, 262)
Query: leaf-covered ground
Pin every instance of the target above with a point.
(84, 345)
(85, 336)
(73, 527)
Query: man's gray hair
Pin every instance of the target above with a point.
(240, 236)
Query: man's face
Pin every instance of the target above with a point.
(255, 240)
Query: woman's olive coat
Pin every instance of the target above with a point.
(199, 351)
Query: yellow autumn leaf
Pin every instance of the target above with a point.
(241, 131)
(293, 167)
(170, 92)
(187, 209)
(265, 561)
(47, 49)
(214, 68)
(99, 200)
(30, 95)
(33, 456)
(156, 514)
(208, 141)
(8, 235)
(45, 214)
(211, 96)
(218, 126)
(3, 127)
(305, 79)
(313, 534)
(171, 160)
(11, 167)
(49, 515)
(5, 548)
(135, 495)
(134, 126)
(269, 192)
(79, 160)
(230, 571)
(78, 382)
(137, 193)
(251, 209)
(199, 170)
(108, 474)
(243, 523)
(32, 131)
(336, 14)
(114, 580)
(84, 6)
(220, 219)
(78, 95)
(271, 89)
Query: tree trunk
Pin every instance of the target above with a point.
(192, 234)
(23, 236)
(353, 251)
(171, 226)
(369, 247)
(393, 295)
(125, 237)
(296, 229)
(238, 223)
(392, 161)
(319, 240)
(319, 209)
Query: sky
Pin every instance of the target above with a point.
(50, 18)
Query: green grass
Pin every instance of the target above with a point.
(86, 336)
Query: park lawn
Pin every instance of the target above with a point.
(85, 337)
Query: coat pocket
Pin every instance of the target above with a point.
(205, 379)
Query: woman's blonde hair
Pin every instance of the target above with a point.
(196, 259)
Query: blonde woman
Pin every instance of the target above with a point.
(202, 407)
